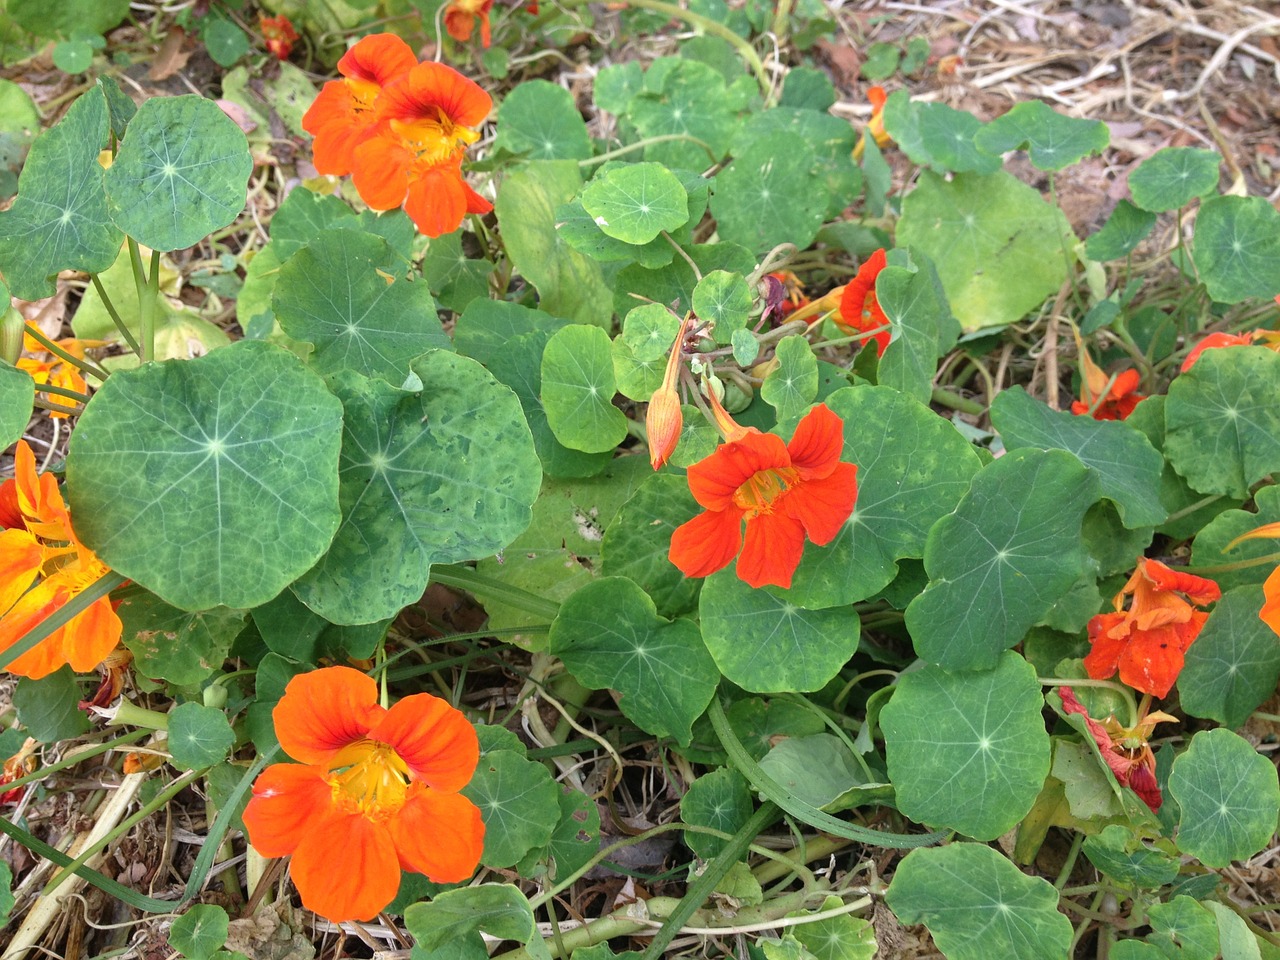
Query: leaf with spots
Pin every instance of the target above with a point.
(175, 645)
(181, 173)
(1173, 177)
(1052, 140)
(211, 481)
(609, 635)
(766, 643)
(635, 544)
(1237, 248)
(635, 202)
(346, 293)
(519, 803)
(59, 220)
(440, 474)
(967, 750)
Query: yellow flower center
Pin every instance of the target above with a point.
(369, 778)
(758, 494)
(435, 142)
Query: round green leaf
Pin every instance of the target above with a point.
(499, 909)
(792, 385)
(519, 803)
(48, 707)
(231, 490)
(225, 42)
(842, 937)
(978, 905)
(913, 468)
(575, 840)
(1127, 227)
(1237, 248)
(766, 644)
(723, 298)
(440, 474)
(181, 173)
(650, 331)
(1127, 466)
(691, 98)
(1051, 140)
(936, 135)
(540, 120)
(578, 387)
(834, 175)
(174, 645)
(1228, 798)
(59, 220)
(983, 776)
(765, 197)
(200, 932)
(72, 56)
(199, 736)
(609, 635)
(1222, 420)
(635, 544)
(999, 563)
(17, 394)
(1185, 926)
(637, 201)
(719, 800)
(997, 244)
(346, 294)
(1173, 177)
(580, 230)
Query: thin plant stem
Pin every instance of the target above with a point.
(641, 144)
(146, 303)
(115, 315)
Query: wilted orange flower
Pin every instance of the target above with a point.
(1146, 643)
(49, 368)
(343, 115)
(425, 124)
(278, 34)
(1117, 400)
(42, 566)
(21, 764)
(785, 293)
(460, 18)
(1125, 750)
(859, 309)
(782, 492)
(374, 792)
(663, 419)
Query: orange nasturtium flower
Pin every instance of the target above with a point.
(425, 121)
(343, 115)
(1117, 401)
(42, 566)
(278, 34)
(1125, 750)
(859, 309)
(460, 18)
(1146, 643)
(53, 370)
(782, 492)
(374, 792)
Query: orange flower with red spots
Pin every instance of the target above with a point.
(374, 792)
(42, 567)
(779, 493)
(1146, 643)
(860, 309)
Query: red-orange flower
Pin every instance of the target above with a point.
(859, 309)
(1146, 643)
(343, 115)
(460, 18)
(782, 492)
(42, 566)
(1119, 399)
(425, 124)
(278, 34)
(1125, 751)
(375, 792)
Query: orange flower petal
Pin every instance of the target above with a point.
(772, 549)
(1270, 612)
(438, 834)
(20, 559)
(90, 636)
(823, 506)
(433, 738)
(380, 172)
(325, 710)
(437, 200)
(289, 800)
(379, 58)
(1104, 655)
(10, 515)
(431, 87)
(715, 480)
(348, 870)
(1213, 341)
(816, 446)
(475, 202)
(1198, 590)
(31, 609)
(1152, 659)
(707, 543)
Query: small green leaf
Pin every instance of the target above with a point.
(673, 284)
(1126, 859)
(881, 61)
(1210, 544)
(692, 99)
(1003, 558)
(985, 774)
(539, 119)
(575, 840)
(936, 135)
(181, 173)
(807, 88)
(766, 644)
(1127, 227)
(609, 635)
(199, 736)
(635, 544)
(1052, 140)
(1237, 248)
(719, 800)
(174, 645)
(17, 394)
(456, 279)
(723, 298)
(225, 42)
(1235, 939)
(636, 201)
(247, 438)
(519, 803)
(745, 347)
(49, 707)
(200, 932)
(765, 198)
(650, 331)
(498, 909)
(1184, 928)
(978, 905)
(578, 387)
(1173, 177)
(842, 937)
(72, 56)
(1228, 798)
(792, 385)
